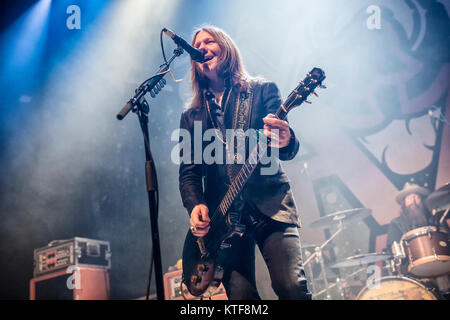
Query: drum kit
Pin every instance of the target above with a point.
(418, 265)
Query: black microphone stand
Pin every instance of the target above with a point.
(139, 105)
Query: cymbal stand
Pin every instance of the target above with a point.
(441, 221)
(391, 267)
(313, 286)
(338, 283)
(322, 267)
(340, 288)
(318, 254)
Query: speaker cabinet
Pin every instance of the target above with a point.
(73, 283)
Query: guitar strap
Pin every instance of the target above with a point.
(235, 158)
(241, 122)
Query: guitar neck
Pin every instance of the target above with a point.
(241, 178)
(247, 170)
(299, 95)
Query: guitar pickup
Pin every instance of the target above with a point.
(195, 279)
(202, 247)
(203, 268)
(234, 218)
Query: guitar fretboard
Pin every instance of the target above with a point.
(247, 170)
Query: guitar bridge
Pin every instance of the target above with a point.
(202, 247)
(236, 228)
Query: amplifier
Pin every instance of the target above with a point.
(174, 291)
(72, 283)
(60, 254)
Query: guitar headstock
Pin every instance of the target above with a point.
(306, 87)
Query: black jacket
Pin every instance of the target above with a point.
(269, 194)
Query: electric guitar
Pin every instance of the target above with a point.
(204, 258)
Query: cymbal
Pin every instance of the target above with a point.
(439, 199)
(346, 216)
(361, 259)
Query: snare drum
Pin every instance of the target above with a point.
(427, 251)
(396, 288)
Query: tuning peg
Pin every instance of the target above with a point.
(314, 93)
(308, 101)
(321, 86)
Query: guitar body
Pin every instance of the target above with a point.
(205, 258)
(198, 271)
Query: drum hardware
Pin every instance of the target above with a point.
(337, 218)
(339, 284)
(319, 257)
(322, 266)
(398, 254)
(397, 251)
(340, 288)
(352, 276)
(441, 221)
(327, 290)
(391, 267)
(313, 286)
(352, 289)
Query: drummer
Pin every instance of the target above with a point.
(413, 212)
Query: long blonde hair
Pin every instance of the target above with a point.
(231, 68)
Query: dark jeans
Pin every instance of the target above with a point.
(280, 247)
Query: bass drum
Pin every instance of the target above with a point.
(396, 288)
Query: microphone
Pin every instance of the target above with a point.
(196, 54)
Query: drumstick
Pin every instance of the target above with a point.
(443, 216)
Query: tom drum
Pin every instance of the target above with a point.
(427, 251)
